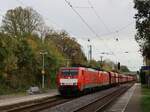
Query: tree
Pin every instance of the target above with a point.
(124, 68)
(143, 31)
(108, 65)
(68, 46)
(44, 30)
(143, 25)
(21, 21)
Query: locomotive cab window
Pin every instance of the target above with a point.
(70, 72)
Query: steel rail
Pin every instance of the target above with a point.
(100, 103)
(37, 105)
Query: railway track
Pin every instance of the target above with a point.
(94, 102)
(35, 106)
(56, 103)
(102, 102)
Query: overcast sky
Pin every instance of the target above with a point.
(114, 20)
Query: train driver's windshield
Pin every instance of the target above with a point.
(70, 72)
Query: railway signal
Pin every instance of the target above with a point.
(118, 65)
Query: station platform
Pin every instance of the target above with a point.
(128, 102)
(7, 100)
(134, 103)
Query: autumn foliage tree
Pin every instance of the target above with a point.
(21, 21)
(143, 34)
(143, 25)
(69, 47)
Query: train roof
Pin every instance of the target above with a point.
(81, 68)
(72, 68)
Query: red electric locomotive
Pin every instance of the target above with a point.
(77, 79)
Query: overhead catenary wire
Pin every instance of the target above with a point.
(82, 19)
(81, 7)
(109, 32)
(98, 16)
(106, 27)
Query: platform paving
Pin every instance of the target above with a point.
(9, 100)
(134, 103)
(128, 102)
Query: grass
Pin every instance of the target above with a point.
(145, 99)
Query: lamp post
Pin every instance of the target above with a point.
(43, 53)
(90, 51)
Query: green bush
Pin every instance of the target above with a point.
(145, 100)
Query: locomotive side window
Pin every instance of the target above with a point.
(70, 72)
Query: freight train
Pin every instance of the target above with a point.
(71, 80)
